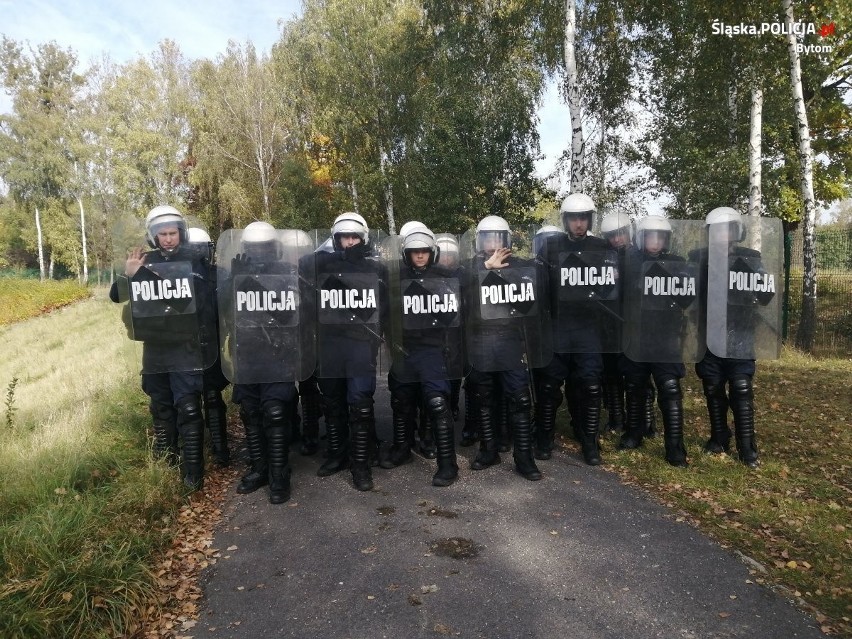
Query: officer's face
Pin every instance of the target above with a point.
(618, 239)
(577, 225)
(168, 238)
(655, 242)
(419, 257)
(348, 239)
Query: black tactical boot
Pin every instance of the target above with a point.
(191, 427)
(337, 433)
(362, 425)
(742, 406)
(216, 416)
(441, 418)
(590, 411)
(572, 401)
(520, 407)
(549, 399)
(165, 432)
(488, 455)
(425, 442)
(276, 421)
(614, 396)
(634, 425)
(400, 451)
(650, 412)
(503, 426)
(311, 413)
(717, 410)
(671, 406)
(470, 429)
(258, 475)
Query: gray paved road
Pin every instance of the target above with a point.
(494, 556)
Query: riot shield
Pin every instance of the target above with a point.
(744, 288)
(662, 301)
(168, 303)
(350, 303)
(424, 331)
(507, 319)
(585, 289)
(266, 332)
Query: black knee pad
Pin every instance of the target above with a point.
(550, 391)
(520, 401)
(741, 387)
(213, 398)
(591, 392)
(333, 406)
(362, 410)
(669, 389)
(189, 408)
(274, 410)
(714, 388)
(163, 412)
(437, 405)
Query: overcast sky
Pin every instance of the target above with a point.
(202, 28)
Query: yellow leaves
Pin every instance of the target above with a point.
(67, 596)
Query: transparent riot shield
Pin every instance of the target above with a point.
(663, 306)
(350, 307)
(168, 303)
(424, 328)
(266, 329)
(585, 289)
(506, 320)
(744, 288)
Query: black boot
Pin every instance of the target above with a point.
(488, 455)
(191, 427)
(520, 407)
(311, 413)
(276, 422)
(503, 425)
(742, 406)
(670, 400)
(425, 442)
(470, 429)
(441, 419)
(164, 418)
(614, 396)
(549, 399)
(455, 398)
(650, 412)
(634, 425)
(216, 416)
(573, 404)
(258, 475)
(717, 411)
(400, 451)
(337, 434)
(590, 412)
(362, 424)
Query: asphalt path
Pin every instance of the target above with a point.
(494, 556)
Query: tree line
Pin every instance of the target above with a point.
(419, 109)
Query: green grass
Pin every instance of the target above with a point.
(793, 515)
(24, 298)
(83, 510)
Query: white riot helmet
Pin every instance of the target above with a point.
(493, 227)
(298, 240)
(200, 241)
(161, 217)
(350, 223)
(577, 204)
(260, 242)
(419, 237)
(731, 217)
(408, 227)
(616, 222)
(650, 225)
(541, 236)
(448, 249)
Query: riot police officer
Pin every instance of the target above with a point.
(503, 331)
(740, 293)
(424, 333)
(583, 282)
(215, 410)
(659, 285)
(267, 349)
(170, 312)
(351, 301)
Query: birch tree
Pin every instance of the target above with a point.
(572, 99)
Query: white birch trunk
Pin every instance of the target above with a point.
(353, 189)
(572, 97)
(388, 188)
(755, 153)
(807, 322)
(40, 239)
(83, 241)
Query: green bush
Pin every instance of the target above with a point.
(22, 298)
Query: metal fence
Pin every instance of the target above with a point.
(834, 290)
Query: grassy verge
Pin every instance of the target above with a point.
(83, 511)
(792, 515)
(25, 298)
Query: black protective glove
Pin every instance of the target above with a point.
(241, 263)
(357, 252)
